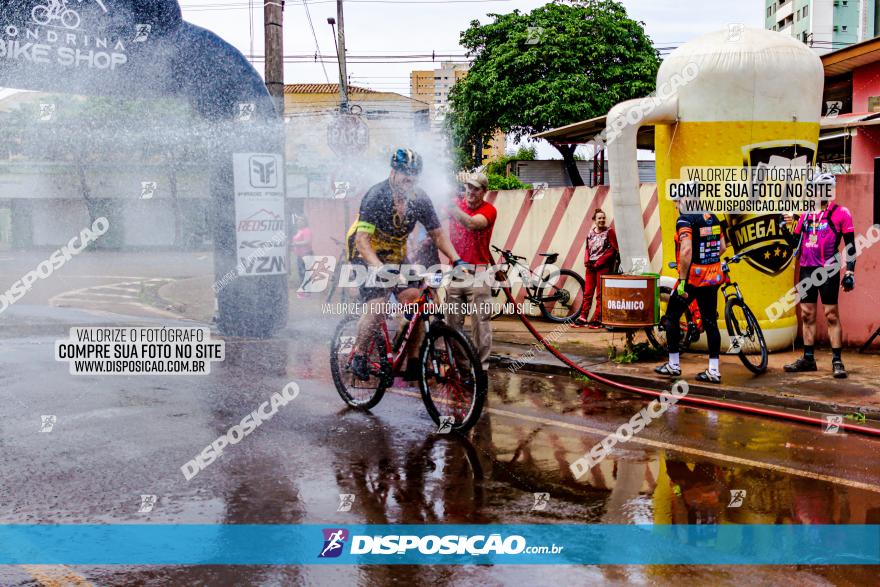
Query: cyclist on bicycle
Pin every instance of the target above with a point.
(388, 214)
(699, 244)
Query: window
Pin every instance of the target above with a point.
(806, 10)
(843, 28)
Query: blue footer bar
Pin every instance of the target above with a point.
(161, 544)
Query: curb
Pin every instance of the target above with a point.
(738, 395)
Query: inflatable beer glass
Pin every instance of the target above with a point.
(755, 100)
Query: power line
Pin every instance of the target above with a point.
(314, 36)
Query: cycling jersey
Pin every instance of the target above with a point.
(705, 232)
(389, 231)
(822, 234)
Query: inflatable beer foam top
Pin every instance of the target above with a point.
(752, 98)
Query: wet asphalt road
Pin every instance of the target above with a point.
(116, 438)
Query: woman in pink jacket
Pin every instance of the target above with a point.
(599, 258)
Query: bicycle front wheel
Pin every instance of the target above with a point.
(452, 381)
(562, 301)
(741, 323)
(354, 391)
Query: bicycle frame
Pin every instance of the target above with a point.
(533, 285)
(397, 348)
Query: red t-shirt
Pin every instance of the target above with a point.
(473, 245)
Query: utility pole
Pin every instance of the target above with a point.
(343, 70)
(273, 22)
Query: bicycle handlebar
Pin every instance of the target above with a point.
(508, 254)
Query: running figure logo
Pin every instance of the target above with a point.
(334, 539)
(319, 270)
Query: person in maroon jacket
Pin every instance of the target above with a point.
(600, 258)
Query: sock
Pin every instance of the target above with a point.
(673, 360)
(835, 354)
(808, 352)
(713, 365)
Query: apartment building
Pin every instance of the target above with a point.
(825, 25)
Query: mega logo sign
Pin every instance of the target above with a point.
(69, 34)
(760, 236)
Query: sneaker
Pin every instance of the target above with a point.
(668, 370)
(801, 365)
(709, 376)
(594, 325)
(360, 367)
(839, 369)
(579, 323)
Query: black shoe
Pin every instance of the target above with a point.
(668, 370)
(801, 365)
(708, 376)
(839, 369)
(360, 367)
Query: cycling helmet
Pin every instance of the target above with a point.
(406, 161)
(825, 178)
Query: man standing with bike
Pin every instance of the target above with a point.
(470, 229)
(699, 244)
(388, 214)
(820, 236)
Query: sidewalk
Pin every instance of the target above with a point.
(815, 392)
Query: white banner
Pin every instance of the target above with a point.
(261, 239)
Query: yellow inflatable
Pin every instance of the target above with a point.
(736, 100)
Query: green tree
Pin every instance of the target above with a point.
(558, 64)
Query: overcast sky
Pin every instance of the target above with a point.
(423, 26)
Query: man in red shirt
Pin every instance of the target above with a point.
(470, 230)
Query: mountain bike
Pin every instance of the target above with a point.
(747, 338)
(558, 293)
(452, 381)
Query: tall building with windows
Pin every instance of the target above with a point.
(825, 25)
(433, 87)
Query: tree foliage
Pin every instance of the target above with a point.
(561, 63)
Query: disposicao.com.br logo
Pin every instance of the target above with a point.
(452, 544)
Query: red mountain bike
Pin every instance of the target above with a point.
(452, 381)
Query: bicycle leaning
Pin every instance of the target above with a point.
(452, 382)
(559, 299)
(745, 333)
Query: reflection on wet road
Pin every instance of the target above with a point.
(117, 438)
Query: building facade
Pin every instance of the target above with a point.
(433, 86)
(825, 25)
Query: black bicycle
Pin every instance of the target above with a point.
(558, 293)
(747, 338)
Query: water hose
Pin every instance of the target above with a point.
(688, 399)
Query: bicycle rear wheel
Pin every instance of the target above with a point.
(452, 381)
(657, 334)
(354, 391)
(562, 301)
(743, 324)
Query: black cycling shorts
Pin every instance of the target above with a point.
(828, 291)
(372, 292)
